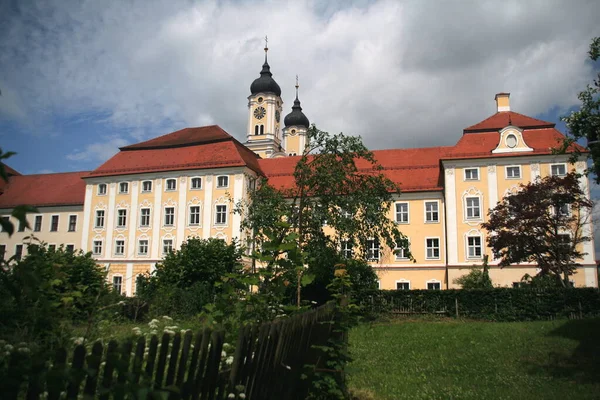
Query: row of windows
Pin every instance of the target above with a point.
(143, 246)
(373, 247)
(432, 212)
(170, 185)
(19, 249)
(194, 216)
(431, 285)
(54, 223)
(514, 172)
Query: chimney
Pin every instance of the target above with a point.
(503, 102)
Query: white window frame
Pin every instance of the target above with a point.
(35, 219)
(192, 183)
(190, 223)
(139, 247)
(518, 167)
(70, 244)
(433, 281)
(171, 247)
(142, 216)
(96, 226)
(102, 193)
(167, 182)
(401, 257)
(564, 165)
(344, 250)
(468, 247)
(568, 214)
(373, 249)
(121, 191)
(407, 212)
(117, 253)
(58, 222)
(97, 253)
(224, 223)
(378, 284)
(172, 215)
(439, 247)
(472, 218)
(226, 180)
(437, 203)
(112, 283)
(51, 248)
(476, 169)
(143, 186)
(404, 281)
(119, 225)
(69, 223)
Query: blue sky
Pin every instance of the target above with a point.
(81, 78)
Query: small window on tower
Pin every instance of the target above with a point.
(262, 129)
(256, 129)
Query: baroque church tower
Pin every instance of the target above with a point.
(264, 114)
(296, 129)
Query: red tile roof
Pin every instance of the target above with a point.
(505, 118)
(44, 190)
(190, 148)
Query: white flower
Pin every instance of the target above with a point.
(223, 354)
(8, 347)
(78, 341)
(242, 395)
(226, 345)
(23, 350)
(231, 396)
(167, 318)
(22, 344)
(168, 331)
(229, 360)
(154, 332)
(121, 303)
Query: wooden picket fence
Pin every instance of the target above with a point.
(268, 362)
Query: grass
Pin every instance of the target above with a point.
(476, 360)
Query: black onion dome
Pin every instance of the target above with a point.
(296, 117)
(266, 83)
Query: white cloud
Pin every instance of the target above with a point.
(400, 74)
(99, 151)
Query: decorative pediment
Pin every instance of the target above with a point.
(511, 141)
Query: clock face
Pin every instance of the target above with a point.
(277, 116)
(260, 112)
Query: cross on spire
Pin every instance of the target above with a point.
(297, 86)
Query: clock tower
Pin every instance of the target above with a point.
(264, 114)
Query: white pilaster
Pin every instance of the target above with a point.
(157, 210)
(110, 218)
(492, 186)
(181, 212)
(208, 206)
(586, 216)
(87, 212)
(129, 280)
(450, 201)
(133, 220)
(238, 192)
(591, 276)
(535, 171)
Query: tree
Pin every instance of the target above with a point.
(339, 194)
(544, 223)
(585, 123)
(478, 278)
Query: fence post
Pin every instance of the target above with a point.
(456, 306)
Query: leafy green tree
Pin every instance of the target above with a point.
(477, 278)
(19, 212)
(544, 223)
(585, 122)
(339, 193)
(185, 279)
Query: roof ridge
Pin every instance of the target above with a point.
(52, 173)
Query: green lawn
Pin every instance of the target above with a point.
(477, 360)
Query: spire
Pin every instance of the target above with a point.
(297, 86)
(265, 83)
(296, 117)
(266, 48)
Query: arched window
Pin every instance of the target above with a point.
(262, 129)
(256, 129)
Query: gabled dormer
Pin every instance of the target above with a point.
(511, 141)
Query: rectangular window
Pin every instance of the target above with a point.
(400, 253)
(97, 248)
(564, 210)
(473, 208)
(6, 219)
(402, 213)
(117, 283)
(119, 247)
(37, 225)
(169, 216)
(474, 246)
(558, 169)
(2, 251)
(171, 184)
(143, 247)
(102, 189)
(196, 183)
(373, 250)
(99, 219)
(54, 224)
(18, 251)
(124, 187)
(147, 186)
(434, 286)
(222, 181)
(513, 172)
(431, 211)
(144, 217)
(167, 246)
(72, 223)
(70, 248)
(471, 174)
(221, 214)
(402, 285)
(121, 218)
(21, 227)
(564, 241)
(432, 248)
(347, 249)
(51, 247)
(194, 215)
